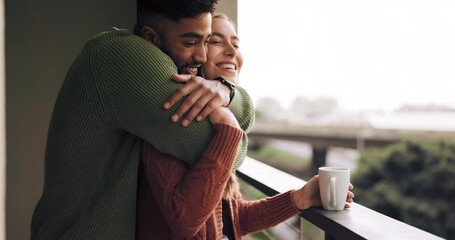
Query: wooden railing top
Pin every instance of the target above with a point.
(358, 222)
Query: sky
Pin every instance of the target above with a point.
(368, 55)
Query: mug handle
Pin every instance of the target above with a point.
(332, 192)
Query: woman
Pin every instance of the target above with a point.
(178, 201)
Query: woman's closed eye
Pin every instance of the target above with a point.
(215, 42)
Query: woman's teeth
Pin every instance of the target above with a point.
(227, 66)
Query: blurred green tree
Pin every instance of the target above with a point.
(410, 181)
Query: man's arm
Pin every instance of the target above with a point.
(137, 79)
(199, 105)
(243, 109)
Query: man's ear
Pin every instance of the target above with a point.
(150, 35)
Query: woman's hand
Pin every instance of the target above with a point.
(202, 98)
(223, 115)
(308, 196)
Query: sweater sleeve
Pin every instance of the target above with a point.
(136, 81)
(264, 213)
(243, 109)
(185, 197)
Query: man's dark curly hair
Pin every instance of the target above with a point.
(175, 9)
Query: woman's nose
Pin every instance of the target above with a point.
(231, 50)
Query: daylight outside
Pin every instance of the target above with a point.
(367, 70)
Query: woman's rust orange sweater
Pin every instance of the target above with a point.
(176, 201)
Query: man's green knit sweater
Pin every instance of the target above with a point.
(110, 101)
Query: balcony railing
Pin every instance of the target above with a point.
(358, 222)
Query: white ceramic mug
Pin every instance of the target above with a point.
(334, 187)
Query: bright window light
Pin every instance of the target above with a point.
(365, 54)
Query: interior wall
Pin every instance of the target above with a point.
(2, 126)
(42, 39)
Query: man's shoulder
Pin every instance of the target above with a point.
(120, 49)
(123, 43)
(113, 35)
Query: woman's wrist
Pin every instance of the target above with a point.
(299, 201)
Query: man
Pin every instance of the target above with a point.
(111, 100)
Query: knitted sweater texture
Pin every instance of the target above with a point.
(176, 201)
(110, 102)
